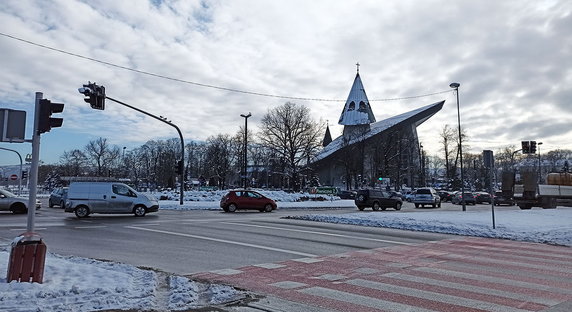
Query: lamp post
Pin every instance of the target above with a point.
(539, 163)
(456, 85)
(245, 145)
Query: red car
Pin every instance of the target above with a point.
(246, 199)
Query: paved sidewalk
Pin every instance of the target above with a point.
(465, 274)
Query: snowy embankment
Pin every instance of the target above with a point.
(79, 284)
(550, 226)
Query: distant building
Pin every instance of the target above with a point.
(369, 150)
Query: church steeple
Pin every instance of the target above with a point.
(327, 137)
(357, 110)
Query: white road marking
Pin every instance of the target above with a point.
(35, 229)
(224, 241)
(318, 233)
(90, 227)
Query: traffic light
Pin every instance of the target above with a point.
(46, 122)
(24, 174)
(179, 168)
(94, 95)
(533, 147)
(525, 147)
(380, 179)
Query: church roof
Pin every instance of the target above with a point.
(416, 117)
(357, 110)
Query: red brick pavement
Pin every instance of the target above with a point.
(465, 274)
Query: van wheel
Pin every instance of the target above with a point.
(62, 204)
(231, 208)
(398, 206)
(82, 212)
(139, 211)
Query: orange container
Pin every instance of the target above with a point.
(563, 178)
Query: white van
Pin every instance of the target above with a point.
(85, 198)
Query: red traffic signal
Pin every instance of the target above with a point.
(45, 121)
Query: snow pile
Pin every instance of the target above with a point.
(552, 226)
(210, 196)
(79, 284)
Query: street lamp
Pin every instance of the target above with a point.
(456, 85)
(539, 163)
(245, 143)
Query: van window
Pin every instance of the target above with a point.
(122, 190)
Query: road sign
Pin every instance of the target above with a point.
(14, 177)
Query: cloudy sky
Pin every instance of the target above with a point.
(513, 60)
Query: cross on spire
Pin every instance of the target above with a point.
(357, 64)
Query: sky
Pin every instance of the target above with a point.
(183, 59)
(69, 280)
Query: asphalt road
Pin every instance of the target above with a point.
(185, 242)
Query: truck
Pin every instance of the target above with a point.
(530, 193)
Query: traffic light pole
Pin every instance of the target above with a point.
(182, 173)
(33, 177)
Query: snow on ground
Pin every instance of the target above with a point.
(215, 196)
(550, 226)
(78, 284)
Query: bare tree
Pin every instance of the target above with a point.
(72, 163)
(289, 130)
(101, 154)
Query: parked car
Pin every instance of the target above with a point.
(15, 203)
(468, 197)
(482, 197)
(409, 195)
(85, 198)
(246, 199)
(377, 199)
(342, 194)
(398, 194)
(426, 196)
(58, 197)
(445, 196)
(501, 199)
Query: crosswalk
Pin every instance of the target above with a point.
(464, 274)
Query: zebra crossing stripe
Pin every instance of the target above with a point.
(449, 299)
(471, 288)
(375, 303)
(490, 279)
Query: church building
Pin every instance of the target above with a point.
(373, 153)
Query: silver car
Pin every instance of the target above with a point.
(15, 203)
(426, 196)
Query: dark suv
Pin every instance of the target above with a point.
(377, 199)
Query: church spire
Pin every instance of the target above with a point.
(357, 110)
(327, 137)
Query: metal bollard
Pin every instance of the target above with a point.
(27, 259)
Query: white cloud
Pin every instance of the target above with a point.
(512, 59)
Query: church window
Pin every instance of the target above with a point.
(352, 106)
(362, 107)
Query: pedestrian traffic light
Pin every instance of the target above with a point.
(525, 147)
(533, 147)
(45, 121)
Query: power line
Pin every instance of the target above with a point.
(208, 85)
